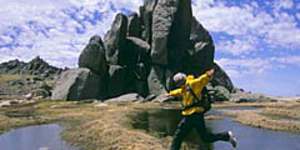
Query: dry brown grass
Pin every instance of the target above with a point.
(283, 116)
(87, 126)
(283, 113)
(261, 121)
(110, 131)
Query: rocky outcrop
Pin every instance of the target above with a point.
(21, 78)
(222, 79)
(36, 66)
(143, 52)
(156, 81)
(124, 80)
(120, 81)
(201, 49)
(134, 26)
(170, 28)
(146, 12)
(137, 51)
(78, 84)
(139, 54)
(93, 56)
(131, 97)
(12, 67)
(115, 39)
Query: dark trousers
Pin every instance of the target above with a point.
(196, 121)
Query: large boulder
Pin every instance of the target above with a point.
(170, 31)
(115, 39)
(146, 12)
(140, 45)
(201, 50)
(79, 84)
(120, 81)
(136, 51)
(222, 79)
(157, 80)
(171, 28)
(163, 16)
(93, 56)
(131, 97)
(199, 33)
(134, 26)
(124, 80)
(179, 36)
(141, 72)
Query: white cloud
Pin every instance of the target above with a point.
(5, 39)
(237, 46)
(238, 68)
(242, 68)
(276, 28)
(283, 4)
(17, 11)
(50, 28)
(298, 16)
(288, 60)
(84, 2)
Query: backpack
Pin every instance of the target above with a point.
(206, 98)
(204, 102)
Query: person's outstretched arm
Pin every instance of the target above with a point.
(176, 92)
(203, 80)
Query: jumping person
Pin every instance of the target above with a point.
(193, 112)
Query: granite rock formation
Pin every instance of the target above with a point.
(78, 84)
(143, 51)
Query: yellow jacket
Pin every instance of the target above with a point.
(197, 84)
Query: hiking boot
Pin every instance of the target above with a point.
(232, 139)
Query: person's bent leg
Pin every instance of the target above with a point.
(207, 136)
(181, 131)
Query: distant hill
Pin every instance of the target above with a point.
(36, 66)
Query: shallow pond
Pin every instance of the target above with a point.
(238, 108)
(42, 137)
(163, 123)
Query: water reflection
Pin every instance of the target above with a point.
(162, 123)
(43, 137)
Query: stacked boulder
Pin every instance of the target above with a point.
(141, 52)
(90, 80)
